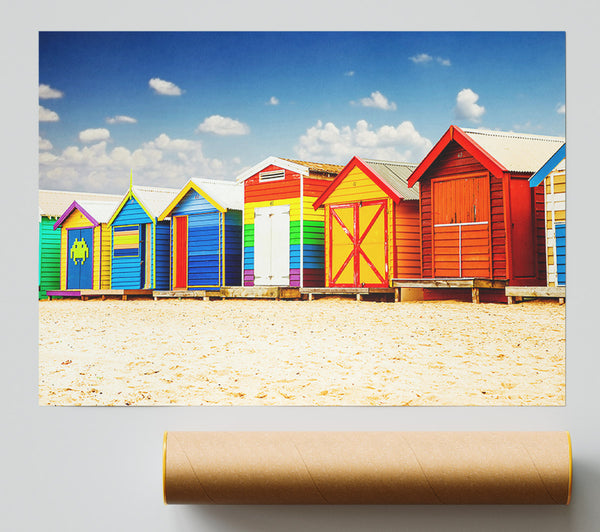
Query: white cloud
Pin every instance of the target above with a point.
(46, 115)
(350, 73)
(163, 161)
(94, 135)
(44, 144)
(47, 92)
(426, 58)
(561, 109)
(421, 58)
(121, 119)
(329, 143)
(221, 125)
(379, 101)
(273, 101)
(166, 88)
(467, 107)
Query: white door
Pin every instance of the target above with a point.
(272, 246)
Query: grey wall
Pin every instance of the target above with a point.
(98, 469)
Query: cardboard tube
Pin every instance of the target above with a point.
(367, 468)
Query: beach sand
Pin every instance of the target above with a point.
(330, 351)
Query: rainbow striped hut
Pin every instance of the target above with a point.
(283, 234)
(553, 174)
(85, 246)
(206, 234)
(52, 205)
(141, 251)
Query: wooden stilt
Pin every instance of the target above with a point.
(475, 295)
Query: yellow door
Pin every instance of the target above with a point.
(358, 244)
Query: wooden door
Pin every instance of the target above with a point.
(523, 229)
(180, 253)
(358, 253)
(204, 245)
(461, 227)
(272, 246)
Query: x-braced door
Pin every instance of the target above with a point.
(358, 253)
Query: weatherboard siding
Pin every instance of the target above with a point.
(49, 256)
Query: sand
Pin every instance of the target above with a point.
(331, 351)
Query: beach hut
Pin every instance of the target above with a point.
(553, 175)
(140, 257)
(479, 216)
(371, 224)
(283, 235)
(52, 204)
(206, 234)
(85, 245)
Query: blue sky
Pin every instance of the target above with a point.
(172, 106)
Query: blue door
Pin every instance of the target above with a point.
(204, 250)
(80, 258)
(561, 253)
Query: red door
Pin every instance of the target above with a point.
(180, 253)
(461, 227)
(523, 237)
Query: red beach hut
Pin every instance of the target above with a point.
(479, 217)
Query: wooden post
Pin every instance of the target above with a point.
(561, 300)
(206, 298)
(475, 295)
(397, 294)
(124, 297)
(358, 297)
(510, 300)
(310, 297)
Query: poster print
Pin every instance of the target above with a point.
(302, 218)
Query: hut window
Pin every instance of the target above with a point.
(271, 176)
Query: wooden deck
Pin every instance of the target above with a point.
(86, 294)
(188, 294)
(260, 292)
(473, 283)
(517, 293)
(232, 292)
(358, 292)
(62, 293)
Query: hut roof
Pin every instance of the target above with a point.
(221, 194)
(517, 152)
(53, 203)
(498, 151)
(319, 168)
(97, 212)
(556, 162)
(302, 167)
(396, 175)
(391, 176)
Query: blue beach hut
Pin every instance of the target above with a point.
(140, 248)
(206, 234)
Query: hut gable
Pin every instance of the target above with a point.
(369, 179)
(204, 195)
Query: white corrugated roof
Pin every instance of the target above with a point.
(55, 202)
(227, 194)
(155, 199)
(517, 152)
(101, 211)
(396, 175)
